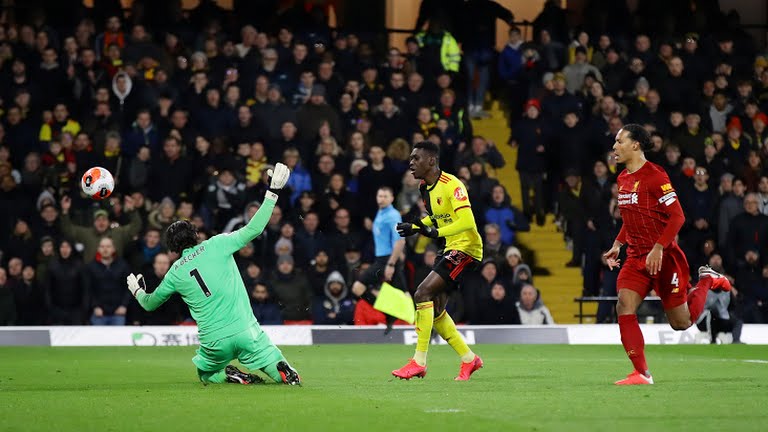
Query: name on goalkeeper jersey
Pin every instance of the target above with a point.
(189, 257)
(627, 198)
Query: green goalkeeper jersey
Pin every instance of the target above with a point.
(209, 281)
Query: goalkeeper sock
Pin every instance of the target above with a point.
(219, 377)
(272, 372)
(425, 316)
(698, 297)
(634, 344)
(446, 328)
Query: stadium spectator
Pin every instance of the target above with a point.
(264, 309)
(224, 198)
(477, 289)
(7, 304)
(505, 216)
(76, 98)
(90, 237)
(171, 312)
(500, 308)
(747, 234)
(531, 308)
(335, 306)
(66, 300)
(292, 291)
(142, 133)
(731, 204)
(527, 135)
(142, 252)
(104, 281)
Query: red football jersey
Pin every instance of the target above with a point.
(648, 202)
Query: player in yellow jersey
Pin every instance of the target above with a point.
(450, 218)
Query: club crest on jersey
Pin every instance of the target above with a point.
(459, 194)
(634, 188)
(439, 200)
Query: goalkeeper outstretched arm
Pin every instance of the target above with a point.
(229, 243)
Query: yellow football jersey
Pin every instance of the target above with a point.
(443, 200)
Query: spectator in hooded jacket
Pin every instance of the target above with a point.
(531, 308)
(336, 305)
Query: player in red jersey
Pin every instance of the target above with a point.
(652, 218)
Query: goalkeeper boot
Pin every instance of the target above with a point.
(410, 370)
(719, 281)
(289, 374)
(467, 369)
(635, 378)
(236, 376)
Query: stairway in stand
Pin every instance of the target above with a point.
(563, 284)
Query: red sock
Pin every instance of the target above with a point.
(634, 344)
(698, 298)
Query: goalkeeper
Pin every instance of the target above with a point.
(206, 277)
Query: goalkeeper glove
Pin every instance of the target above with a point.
(136, 283)
(279, 177)
(426, 231)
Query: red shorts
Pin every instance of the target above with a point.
(671, 283)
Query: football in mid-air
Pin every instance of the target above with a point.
(98, 183)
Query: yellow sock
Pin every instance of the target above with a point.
(446, 328)
(425, 315)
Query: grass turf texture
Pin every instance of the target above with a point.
(348, 387)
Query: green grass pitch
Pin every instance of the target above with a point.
(348, 387)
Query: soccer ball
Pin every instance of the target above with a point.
(97, 183)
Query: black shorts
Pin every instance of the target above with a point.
(373, 276)
(453, 265)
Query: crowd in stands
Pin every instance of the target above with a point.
(189, 116)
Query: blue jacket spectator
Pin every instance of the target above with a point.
(300, 179)
(141, 134)
(265, 310)
(501, 213)
(213, 119)
(511, 57)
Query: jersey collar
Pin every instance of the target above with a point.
(432, 187)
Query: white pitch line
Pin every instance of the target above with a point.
(443, 410)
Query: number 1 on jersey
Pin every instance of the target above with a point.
(196, 274)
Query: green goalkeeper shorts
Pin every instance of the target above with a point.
(252, 347)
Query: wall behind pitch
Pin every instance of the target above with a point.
(595, 334)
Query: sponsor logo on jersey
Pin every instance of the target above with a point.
(627, 198)
(459, 194)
